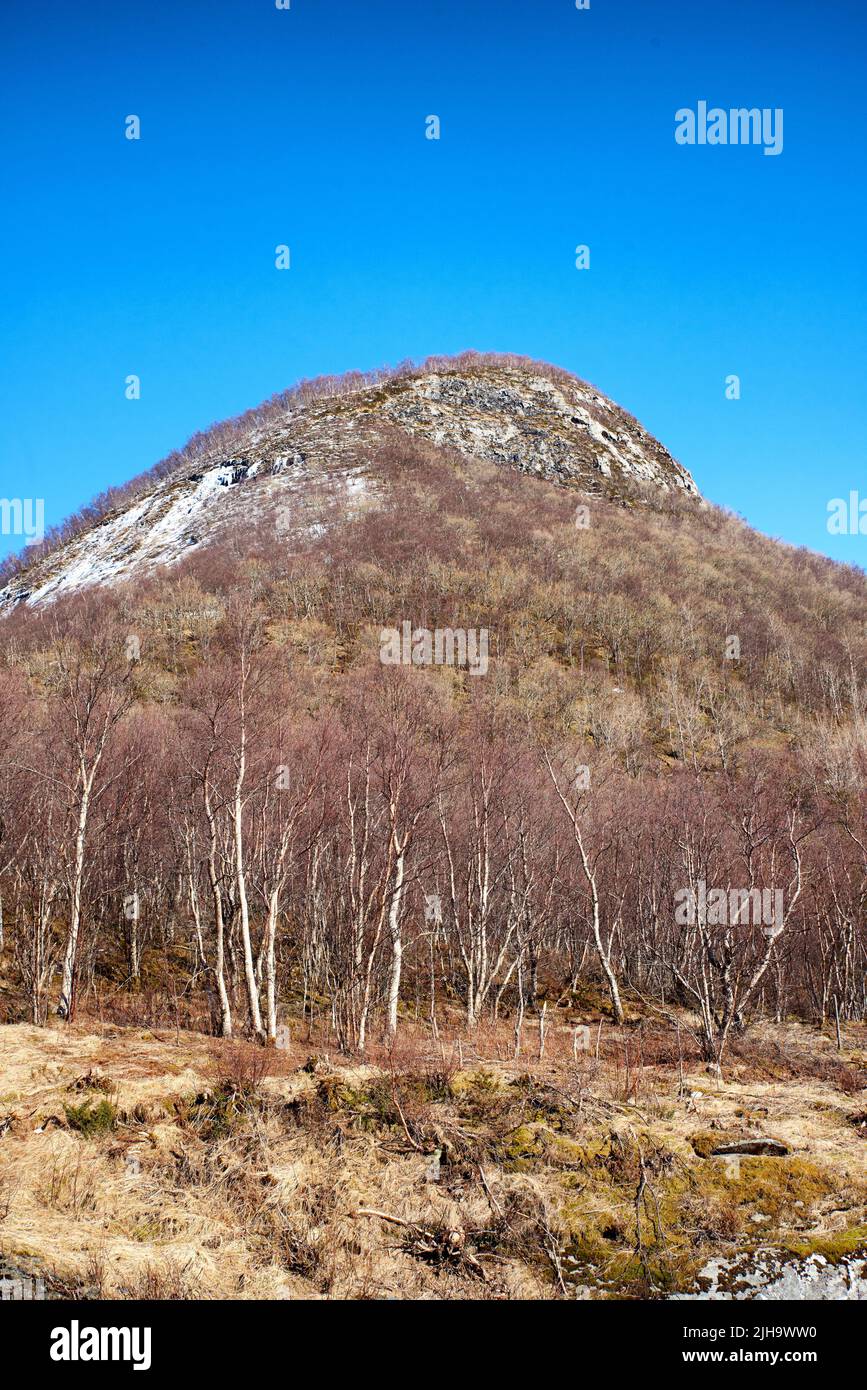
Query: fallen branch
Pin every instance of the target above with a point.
(442, 1246)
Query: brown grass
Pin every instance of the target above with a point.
(235, 1172)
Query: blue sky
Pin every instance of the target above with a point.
(307, 127)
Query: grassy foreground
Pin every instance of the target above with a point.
(136, 1163)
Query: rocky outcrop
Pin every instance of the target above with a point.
(525, 421)
(309, 464)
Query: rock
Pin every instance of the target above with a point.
(542, 422)
(768, 1275)
(768, 1148)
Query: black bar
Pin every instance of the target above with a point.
(560, 1337)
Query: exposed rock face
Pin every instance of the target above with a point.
(312, 466)
(537, 426)
(771, 1148)
(769, 1276)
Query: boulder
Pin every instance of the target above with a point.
(768, 1148)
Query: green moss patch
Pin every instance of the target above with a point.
(91, 1120)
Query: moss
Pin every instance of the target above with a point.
(336, 1094)
(217, 1114)
(704, 1141)
(835, 1246)
(769, 1185)
(525, 1143)
(568, 1152)
(89, 1120)
(691, 1211)
(378, 1104)
(478, 1083)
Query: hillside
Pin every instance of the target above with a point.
(324, 435)
(427, 496)
(430, 739)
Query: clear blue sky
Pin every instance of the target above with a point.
(262, 126)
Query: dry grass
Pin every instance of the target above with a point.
(231, 1172)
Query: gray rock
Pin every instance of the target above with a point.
(769, 1148)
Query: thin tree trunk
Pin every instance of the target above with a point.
(66, 1007)
(394, 926)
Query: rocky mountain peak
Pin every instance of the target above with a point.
(307, 457)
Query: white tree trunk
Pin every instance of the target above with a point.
(67, 1003)
(244, 911)
(394, 926)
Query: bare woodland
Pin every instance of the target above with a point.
(245, 818)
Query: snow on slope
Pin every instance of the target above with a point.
(308, 469)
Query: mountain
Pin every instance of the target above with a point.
(457, 648)
(309, 456)
(447, 495)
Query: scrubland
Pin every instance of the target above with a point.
(165, 1164)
